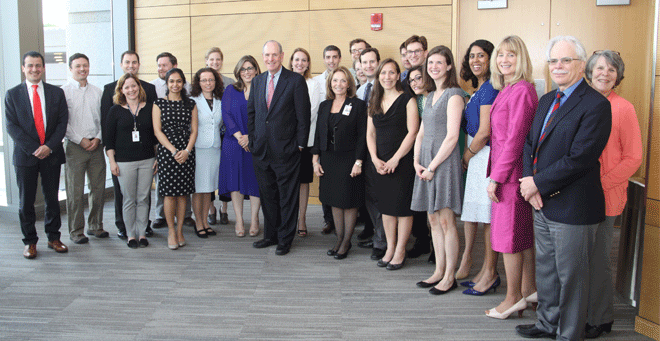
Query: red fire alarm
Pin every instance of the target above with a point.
(376, 21)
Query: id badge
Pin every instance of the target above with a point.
(136, 136)
(347, 110)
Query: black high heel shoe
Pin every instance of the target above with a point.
(435, 291)
(423, 284)
(343, 255)
(201, 235)
(331, 252)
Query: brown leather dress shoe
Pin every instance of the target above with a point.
(58, 246)
(30, 251)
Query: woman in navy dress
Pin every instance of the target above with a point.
(236, 170)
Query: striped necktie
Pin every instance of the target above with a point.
(552, 115)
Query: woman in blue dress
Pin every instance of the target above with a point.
(236, 170)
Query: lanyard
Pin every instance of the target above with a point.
(134, 114)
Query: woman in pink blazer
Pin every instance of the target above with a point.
(511, 116)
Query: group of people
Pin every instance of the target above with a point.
(546, 177)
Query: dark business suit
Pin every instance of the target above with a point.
(275, 135)
(21, 128)
(568, 179)
(106, 104)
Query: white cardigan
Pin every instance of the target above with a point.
(208, 123)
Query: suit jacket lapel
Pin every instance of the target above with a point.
(29, 114)
(563, 110)
(542, 110)
(281, 84)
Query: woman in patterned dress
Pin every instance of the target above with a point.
(175, 127)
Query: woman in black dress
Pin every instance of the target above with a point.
(391, 129)
(339, 148)
(175, 127)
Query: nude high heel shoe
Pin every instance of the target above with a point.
(533, 300)
(520, 306)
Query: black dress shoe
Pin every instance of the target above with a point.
(122, 234)
(423, 284)
(377, 253)
(328, 228)
(224, 219)
(282, 249)
(331, 252)
(260, 244)
(367, 244)
(435, 291)
(365, 234)
(530, 331)
(417, 250)
(212, 218)
(592, 332)
(392, 266)
(382, 264)
(159, 223)
(341, 255)
(149, 232)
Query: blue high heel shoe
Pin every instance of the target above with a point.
(471, 291)
(467, 284)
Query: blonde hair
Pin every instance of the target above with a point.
(524, 68)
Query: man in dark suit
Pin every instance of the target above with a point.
(130, 63)
(278, 128)
(561, 179)
(37, 115)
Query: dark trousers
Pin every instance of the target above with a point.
(327, 214)
(119, 205)
(279, 189)
(420, 230)
(26, 178)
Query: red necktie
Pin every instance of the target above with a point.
(271, 90)
(38, 116)
(552, 115)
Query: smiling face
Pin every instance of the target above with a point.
(437, 67)
(603, 76)
(130, 90)
(478, 60)
(300, 62)
(272, 57)
(174, 83)
(369, 64)
(388, 76)
(416, 54)
(417, 82)
(331, 60)
(404, 59)
(164, 65)
(565, 75)
(247, 72)
(130, 64)
(506, 63)
(79, 70)
(356, 49)
(33, 68)
(207, 82)
(339, 83)
(359, 74)
(214, 61)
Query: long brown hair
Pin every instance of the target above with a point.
(451, 81)
(307, 74)
(240, 85)
(375, 106)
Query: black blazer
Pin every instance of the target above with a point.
(106, 101)
(568, 171)
(279, 131)
(350, 133)
(21, 128)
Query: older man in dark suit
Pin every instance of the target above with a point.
(278, 128)
(130, 63)
(37, 115)
(561, 179)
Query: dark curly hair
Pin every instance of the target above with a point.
(197, 87)
(466, 72)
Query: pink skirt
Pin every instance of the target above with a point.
(511, 221)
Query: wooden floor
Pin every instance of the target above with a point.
(221, 288)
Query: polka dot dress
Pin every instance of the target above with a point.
(175, 179)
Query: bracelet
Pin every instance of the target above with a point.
(358, 163)
(175, 151)
(471, 151)
(430, 171)
(316, 163)
(187, 151)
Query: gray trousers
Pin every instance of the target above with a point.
(601, 291)
(562, 276)
(135, 180)
(160, 209)
(78, 163)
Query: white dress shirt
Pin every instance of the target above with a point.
(161, 87)
(42, 99)
(363, 88)
(84, 111)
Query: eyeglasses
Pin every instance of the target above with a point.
(564, 61)
(414, 52)
(601, 51)
(355, 51)
(249, 69)
(417, 79)
(205, 80)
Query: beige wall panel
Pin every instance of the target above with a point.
(652, 212)
(339, 27)
(162, 12)
(257, 6)
(149, 3)
(627, 29)
(353, 4)
(527, 19)
(153, 36)
(649, 306)
(238, 35)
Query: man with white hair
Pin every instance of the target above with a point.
(561, 180)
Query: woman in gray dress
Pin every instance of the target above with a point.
(438, 186)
